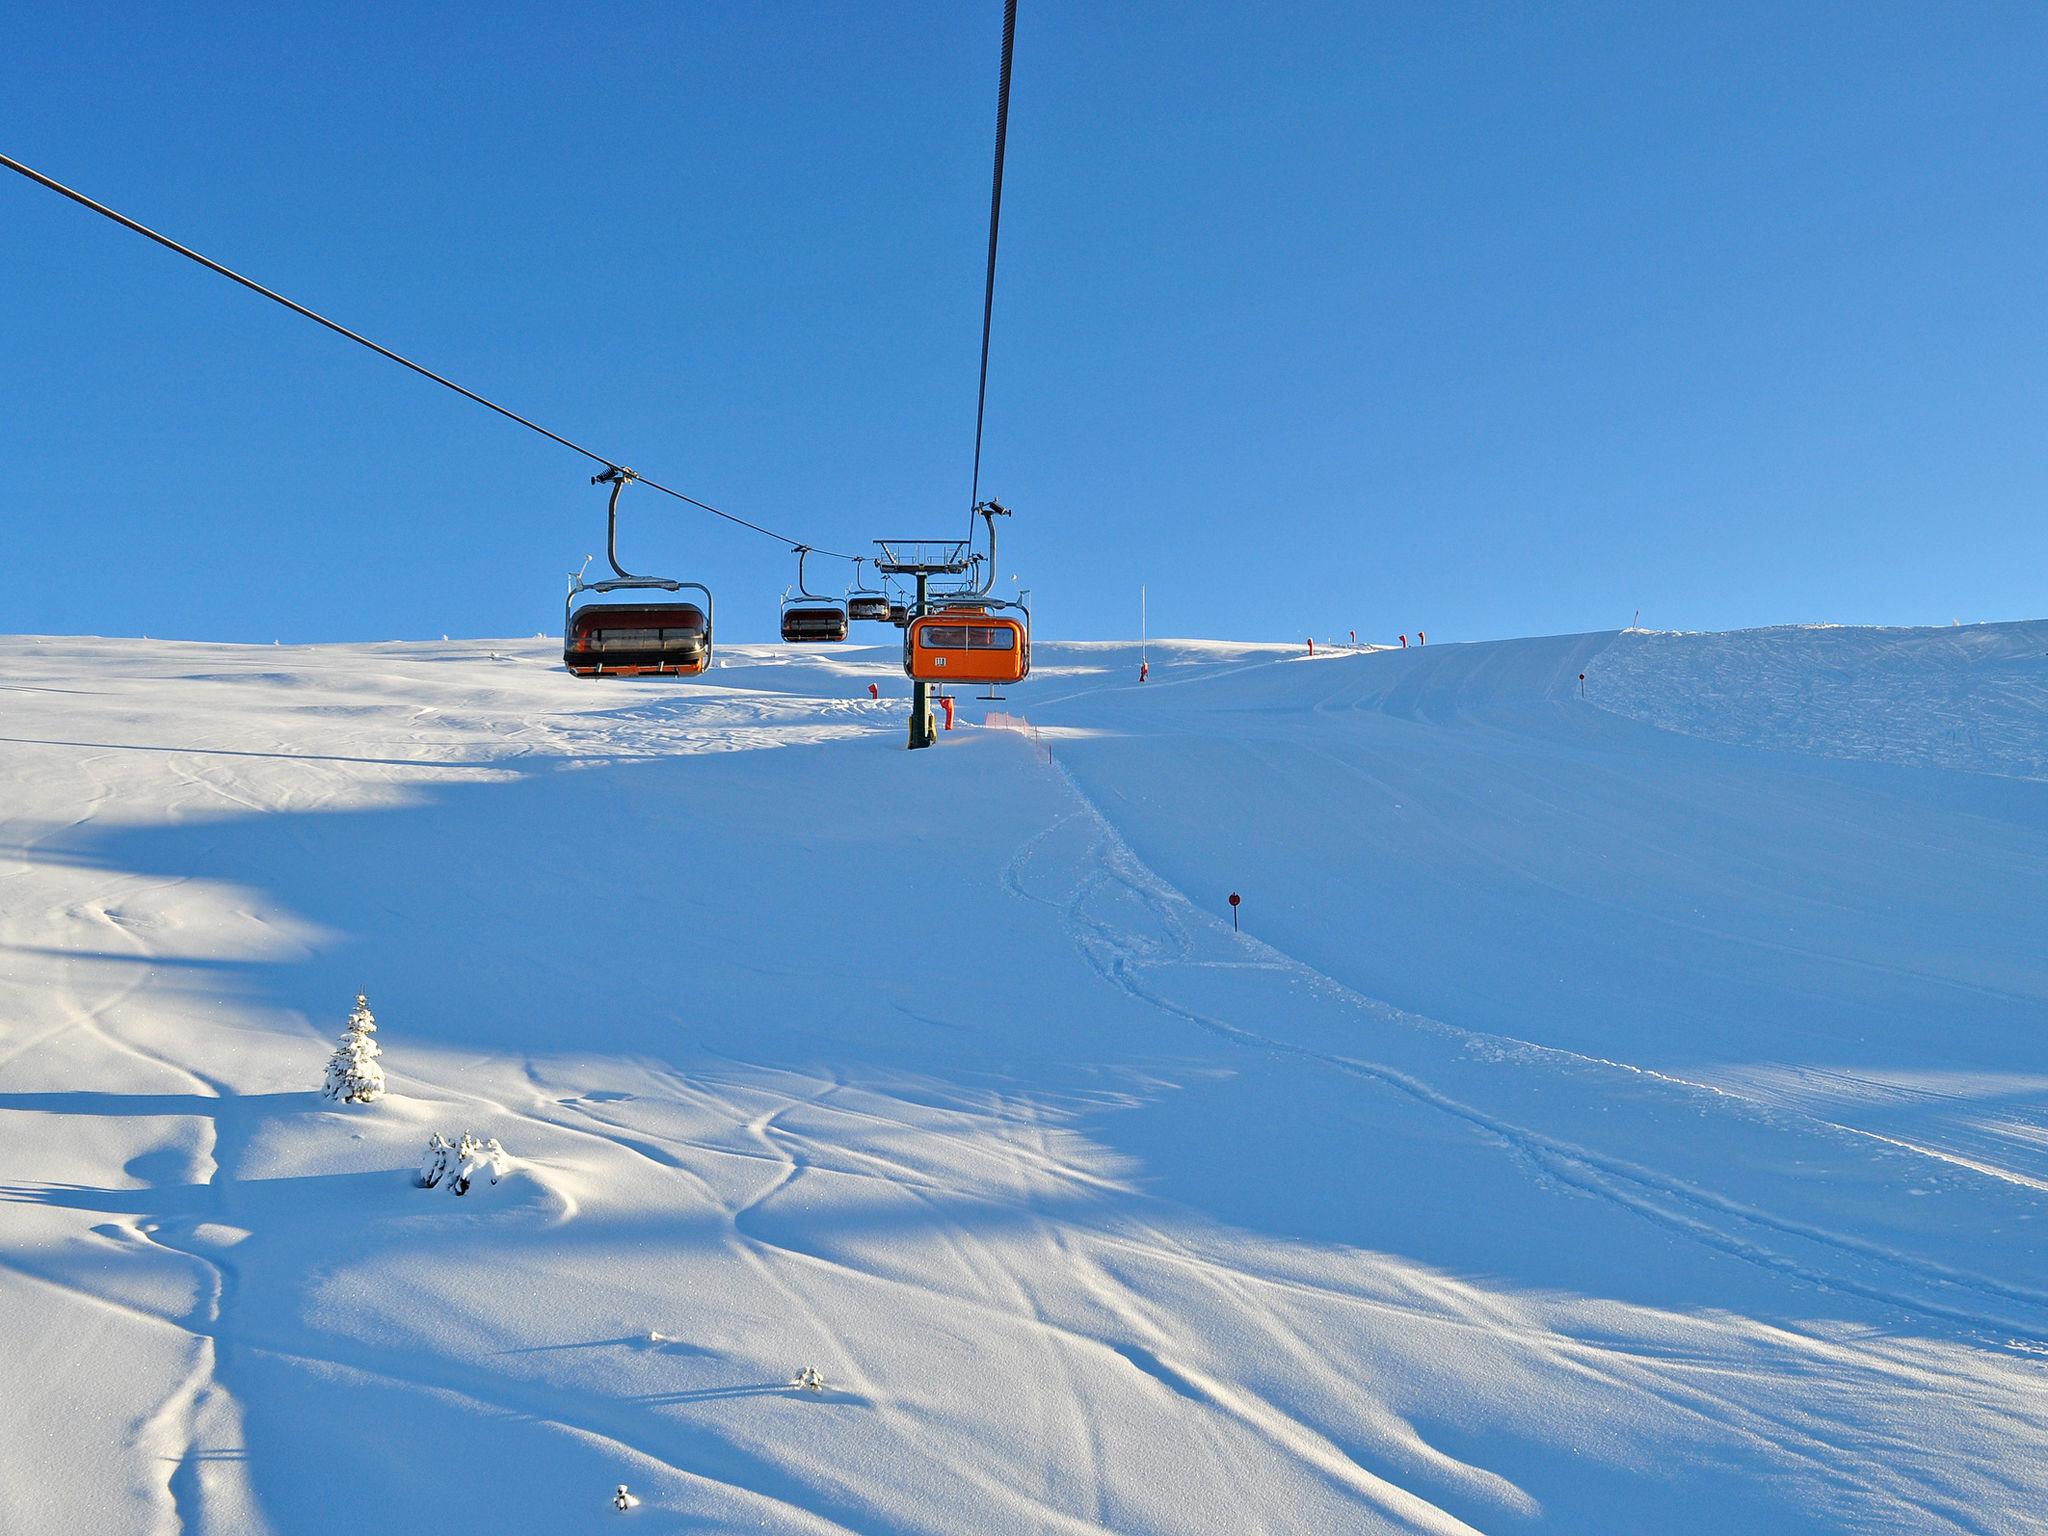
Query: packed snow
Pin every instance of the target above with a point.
(1625, 1107)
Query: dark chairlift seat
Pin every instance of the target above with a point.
(639, 636)
(637, 639)
(809, 623)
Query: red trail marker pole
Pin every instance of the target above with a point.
(1234, 900)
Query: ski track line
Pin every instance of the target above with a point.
(1329, 985)
(1234, 1287)
(171, 1423)
(992, 1311)
(993, 1279)
(473, 1388)
(1292, 1437)
(178, 1416)
(217, 1334)
(1592, 1173)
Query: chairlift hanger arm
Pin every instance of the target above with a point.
(619, 478)
(988, 511)
(858, 589)
(803, 553)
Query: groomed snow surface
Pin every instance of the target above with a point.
(1625, 1110)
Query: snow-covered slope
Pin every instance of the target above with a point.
(1622, 1111)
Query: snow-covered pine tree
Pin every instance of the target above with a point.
(353, 1075)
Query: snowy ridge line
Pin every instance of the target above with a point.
(1572, 1164)
(1837, 692)
(1166, 681)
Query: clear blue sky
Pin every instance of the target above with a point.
(1490, 319)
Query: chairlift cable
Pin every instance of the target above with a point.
(995, 219)
(404, 362)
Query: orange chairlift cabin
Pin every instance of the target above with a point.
(965, 642)
(633, 639)
(809, 616)
(968, 636)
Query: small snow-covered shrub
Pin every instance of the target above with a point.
(439, 1159)
(353, 1075)
(809, 1379)
(458, 1163)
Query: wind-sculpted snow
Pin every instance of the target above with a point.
(1596, 1126)
(1973, 698)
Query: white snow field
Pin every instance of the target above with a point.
(1624, 1111)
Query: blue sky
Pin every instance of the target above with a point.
(1486, 319)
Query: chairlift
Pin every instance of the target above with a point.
(968, 636)
(810, 617)
(866, 605)
(632, 639)
(969, 641)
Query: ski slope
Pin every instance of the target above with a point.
(1625, 1109)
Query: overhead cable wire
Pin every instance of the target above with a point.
(995, 219)
(382, 351)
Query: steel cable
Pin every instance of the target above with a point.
(995, 219)
(382, 351)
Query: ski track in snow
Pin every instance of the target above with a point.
(962, 1184)
(1693, 1212)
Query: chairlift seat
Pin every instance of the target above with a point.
(812, 623)
(637, 639)
(868, 610)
